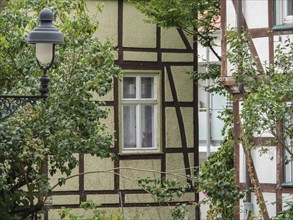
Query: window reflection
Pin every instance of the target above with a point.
(147, 87)
(129, 126)
(129, 87)
(147, 118)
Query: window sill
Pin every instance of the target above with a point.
(287, 185)
(127, 153)
(283, 27)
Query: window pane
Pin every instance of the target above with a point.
(288, 167)
(147, 126)
(129, 87)
(147, 87)
(129, 126)
(290, 7)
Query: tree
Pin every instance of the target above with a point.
(197, 18)
(43, 138)
(267, 101)
(267, 104)
(216, 176)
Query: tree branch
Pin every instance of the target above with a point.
(14, 63)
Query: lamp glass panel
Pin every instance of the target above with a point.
(44, 52)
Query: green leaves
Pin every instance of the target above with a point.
(216, 176)
(164, 190)
(195, 17)
(69, 122)
(96, 213)
(267, 107)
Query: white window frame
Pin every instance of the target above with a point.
(139, 102)
(282, 16)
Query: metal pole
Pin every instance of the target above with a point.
(121, 204)
(208, 112)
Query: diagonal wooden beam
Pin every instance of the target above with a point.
(184, 39)
(180, 123)
(251, 43)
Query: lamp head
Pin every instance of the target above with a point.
(46, 32)
(45, 36)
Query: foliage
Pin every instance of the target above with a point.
(270, 91)
(266, 108)
(286, 214)
(216, 177)
(267, 96)
(69, 121)
(97, 213)
(165, 191)
(213, 73)
(197, 18)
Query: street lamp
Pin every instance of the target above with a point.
(45, 37)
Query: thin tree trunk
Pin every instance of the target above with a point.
(254, 179)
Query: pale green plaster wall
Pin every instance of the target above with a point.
(101, 199)
(109, 121)
(170, 38)
(108, 25)
(102, 180)
(177, 57)
(173, 138)
(139, 198)
(65, 200)
(175, 165)
(138, 169)
(140, 56)
(71, 184)
(137, 33)
(183, 84)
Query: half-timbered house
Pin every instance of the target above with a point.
(269, 24)
(153, 112)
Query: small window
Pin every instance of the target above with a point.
(140, 127)
(284, 13)
(288, 19)
(288, 177)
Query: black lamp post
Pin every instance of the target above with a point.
(45, 37)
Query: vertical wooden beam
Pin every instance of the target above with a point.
(279, 167)
(236, 112)
(163, 112)
(158, 44)
(195, 123)
(120, 32)
(82, 195)
(224, 38)
(270, 32)
(116, 96)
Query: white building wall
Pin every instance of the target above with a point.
(255, 13)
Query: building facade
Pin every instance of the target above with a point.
(269, 24)
(153, 112)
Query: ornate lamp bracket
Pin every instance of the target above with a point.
(45, 37)
(10, 103)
